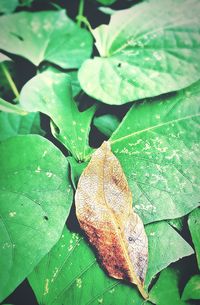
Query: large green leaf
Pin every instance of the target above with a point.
(192, 289)
(48, 35)
(69, 274)
(50, 93)
(149, 49)
(13, 125)
(194, 226)
(158, 144)
(35, 198)
(8, 6)
(166, 290)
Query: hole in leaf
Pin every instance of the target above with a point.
(119, 65)
(46, 218)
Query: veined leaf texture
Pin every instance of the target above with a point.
(104, 211)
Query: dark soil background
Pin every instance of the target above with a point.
(24, 295)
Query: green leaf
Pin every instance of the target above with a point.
(143, 59)
(13, 125)
(107, 10)
(69, 274)
(74, 78)
(106, 2)
(35, 199)
(194, 226)
(106, 124)
(165, 247)
(8, 6)
(158, 144)
(177, 223)
(45, 36)
(75, 82)
(192, 289)
(51, 94)
(166, 290)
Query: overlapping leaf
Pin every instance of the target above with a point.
(107, 217)
(158, 145)
(45, 36)
(8, 6)
(50, 93)
(191, 290)
(13, 125)
(143, 59)
(69, 274)
(35, 198)
(166, 290)
(106, 123)
(106, 2)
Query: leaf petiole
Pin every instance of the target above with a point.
(10, 80)
(80, 13)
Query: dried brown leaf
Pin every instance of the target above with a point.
(104, 211)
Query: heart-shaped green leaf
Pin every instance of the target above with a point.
(149, 49)
(35, 198)
(45, 36)
(51, 93)
(158, 144)
(69, 274)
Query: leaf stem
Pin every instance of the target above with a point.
(10, 80)
(80, 13)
